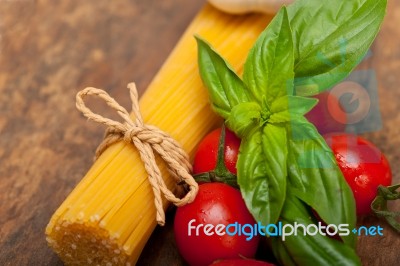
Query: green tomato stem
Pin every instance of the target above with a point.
(220, 172)
(379, 205)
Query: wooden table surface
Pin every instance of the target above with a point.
(49, 50)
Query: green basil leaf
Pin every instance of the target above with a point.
(262, 172)
(280, 252)
(287, 108)
(268, 70)
(330, 39)
(309, 249)
(243, 118)
(225, 88)
(301, 105)
(315, 178)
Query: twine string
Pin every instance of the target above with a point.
(147, 139)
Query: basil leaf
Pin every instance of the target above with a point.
(281, 253)
(262, 172)
(310, 249)
(268, 70)
(285, 109)
(315, 178)
(330, 39)
(225, 88)
(244, 117)
(301, 105)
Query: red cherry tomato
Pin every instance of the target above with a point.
(363, 165)
(241, 262)
(206, 155)
(200, 227)
(327, 115)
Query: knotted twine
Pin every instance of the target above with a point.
(147, 139)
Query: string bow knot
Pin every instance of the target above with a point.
(147, 139)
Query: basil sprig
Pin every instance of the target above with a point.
(285, 168)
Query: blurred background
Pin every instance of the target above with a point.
(49, 50)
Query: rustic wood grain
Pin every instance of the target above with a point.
(51, 49)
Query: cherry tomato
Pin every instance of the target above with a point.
(241, 262)
(206, 155)
(363, 165)
(327, 116)
(200, 227)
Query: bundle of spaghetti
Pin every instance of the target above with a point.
(109, 216)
